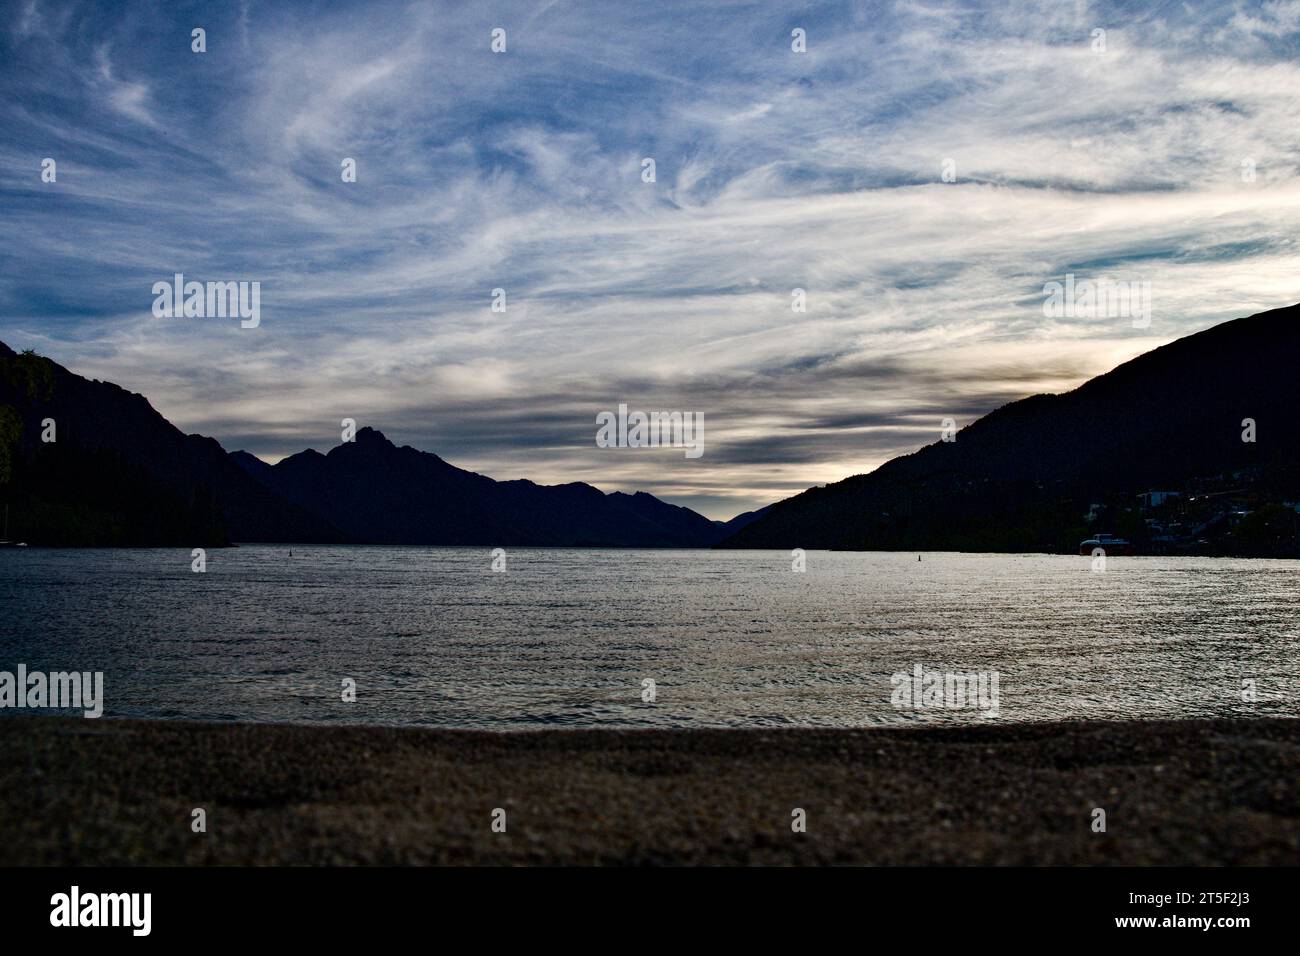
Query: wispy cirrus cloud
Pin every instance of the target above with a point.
(522, 171)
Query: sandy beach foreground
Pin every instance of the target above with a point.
(92, 792)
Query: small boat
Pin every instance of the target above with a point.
(5, 542)
(1108, 543)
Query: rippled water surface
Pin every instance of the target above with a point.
(566, 637)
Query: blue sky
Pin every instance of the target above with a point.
(522, 170)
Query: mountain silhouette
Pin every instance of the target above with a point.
(1039, 474)
(118, 473)
(379, 493)
(1022, 477)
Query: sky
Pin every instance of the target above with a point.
(921, 170)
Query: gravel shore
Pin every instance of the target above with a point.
(93, 792)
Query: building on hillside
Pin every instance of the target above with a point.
(1154, 499)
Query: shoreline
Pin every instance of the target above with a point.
(233, 545)
(1175, 792)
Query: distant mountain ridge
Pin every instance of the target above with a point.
(1038, 474)
(1022, 477)
(380, 493)
(118, 473)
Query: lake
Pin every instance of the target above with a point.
(729, 638)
